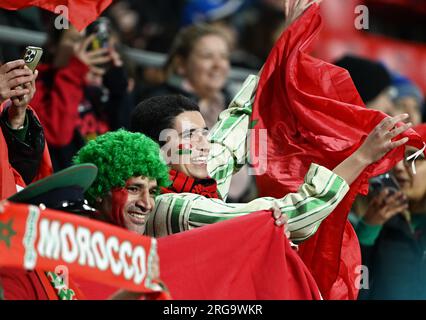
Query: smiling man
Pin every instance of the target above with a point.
(130, 173)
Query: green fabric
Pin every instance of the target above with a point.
(418, 220)
(21, 134)
(367, 233)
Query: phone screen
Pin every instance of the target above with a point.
(101, 28)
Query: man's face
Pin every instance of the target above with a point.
(134, 210)
(191, 136)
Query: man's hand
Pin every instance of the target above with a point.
(294, 8)
(378, 142)
(13, 77)
(115, 56)
(280, 219)
(92, 58)
(376, 145)
(19, 105)
(22, 101)
(384, 206)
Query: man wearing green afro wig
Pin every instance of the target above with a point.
(130, 173)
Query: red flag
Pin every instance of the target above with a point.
(314, 114)
(81, 12)
(242, 258)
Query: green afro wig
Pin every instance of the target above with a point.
(120, 155)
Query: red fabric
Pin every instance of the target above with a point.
(28, 285)
(81, 13)
(314, 114)
(182, 183)
(242, 258)
(57, 104)
(421, 130)
(21, 285)
(9, 177)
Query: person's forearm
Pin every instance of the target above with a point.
(16, 117)
(350, 168)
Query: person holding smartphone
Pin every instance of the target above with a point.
(392, 234)
(81, 92)
(23, 154)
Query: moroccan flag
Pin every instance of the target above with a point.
(35, 239)
(243, 258)
(81, 12)
(314, 114)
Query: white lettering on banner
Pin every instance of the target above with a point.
(30, 256)
(70, 252)
(49, 243)
(112, 245)
(83, 241)
(77, 244)
(98, 248)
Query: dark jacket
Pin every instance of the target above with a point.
(397, 261)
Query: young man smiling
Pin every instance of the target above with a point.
(201, 166)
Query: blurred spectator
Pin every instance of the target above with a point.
(263, 21)
(201, 11)
(218, 13)
(81, 93)
(407, 98)
(372, 80)
(392, 234)
(198, 67)
(147, 24)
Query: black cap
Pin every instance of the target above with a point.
(63, 190)
(370, 77)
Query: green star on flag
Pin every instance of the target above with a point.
(6, 232)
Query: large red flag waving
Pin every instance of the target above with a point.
(314, 114)
(81, 12)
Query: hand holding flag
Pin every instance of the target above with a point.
(377, 144)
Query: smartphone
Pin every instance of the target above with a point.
(102, 29)
(386, 180)
(32, 57)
